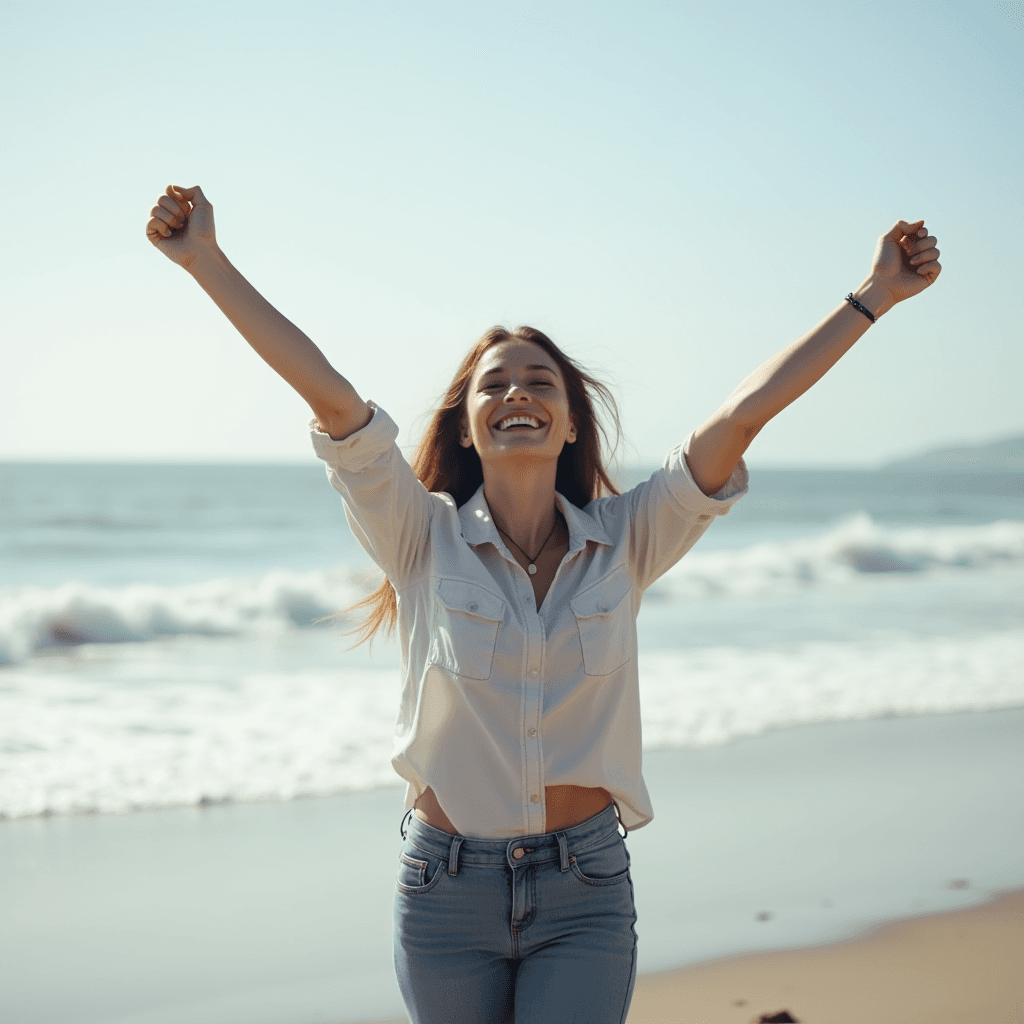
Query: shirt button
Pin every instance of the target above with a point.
(603, 607)
(533, 732)
(534, 798)
(533, 673)
(473, 606)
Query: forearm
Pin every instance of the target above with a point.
(281, 344)
(786, 376)
(718, 444)
(905, 263)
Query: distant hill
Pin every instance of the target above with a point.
(1006, 454)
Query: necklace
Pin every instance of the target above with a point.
(532, 567)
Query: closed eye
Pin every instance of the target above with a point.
(501, 384)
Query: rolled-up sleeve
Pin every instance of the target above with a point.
(387, 507)
(690, 498)
(669, 513)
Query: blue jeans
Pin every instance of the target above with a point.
(533, 930)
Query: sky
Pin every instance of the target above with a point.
(672, 191)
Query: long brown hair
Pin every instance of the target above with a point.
(443, 464)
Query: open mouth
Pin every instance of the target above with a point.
(518, 422)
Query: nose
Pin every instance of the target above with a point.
(516, 393)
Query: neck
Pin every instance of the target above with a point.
(522, 502)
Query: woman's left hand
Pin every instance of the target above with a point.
(906, 260)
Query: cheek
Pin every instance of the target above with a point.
(477, 421)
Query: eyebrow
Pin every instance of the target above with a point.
(532, 366)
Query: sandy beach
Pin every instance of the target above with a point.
(955, 968)
(813, 840)
(940, 969)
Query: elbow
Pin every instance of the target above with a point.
(339, 423)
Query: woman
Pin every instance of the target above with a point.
(515, 588)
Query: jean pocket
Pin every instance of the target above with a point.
(604, 864)
(604, 617)
(419, 871)
(466, 622)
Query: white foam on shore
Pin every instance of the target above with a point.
(172, 728)
(97, 744)
(706, 697)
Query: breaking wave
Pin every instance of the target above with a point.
(36, 619)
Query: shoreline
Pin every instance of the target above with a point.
(940, 968)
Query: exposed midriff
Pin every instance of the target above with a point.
(566, 806)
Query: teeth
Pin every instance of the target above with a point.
(513, 421)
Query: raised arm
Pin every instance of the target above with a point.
(181, 227)
(906, 262)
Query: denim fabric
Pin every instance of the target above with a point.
(533, 930)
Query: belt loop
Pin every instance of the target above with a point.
(563, 851)
(625, 831)
(401, 828)
(453, 857)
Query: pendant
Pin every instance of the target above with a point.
(533, 569)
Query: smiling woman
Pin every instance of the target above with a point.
(514, 373)
(513, 572)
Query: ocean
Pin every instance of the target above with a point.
(160, 644)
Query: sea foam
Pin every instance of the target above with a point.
(161, 726)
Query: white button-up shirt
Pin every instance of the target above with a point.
(502, 698)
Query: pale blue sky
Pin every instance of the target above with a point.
(672, 191)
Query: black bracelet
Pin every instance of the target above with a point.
(856, 305)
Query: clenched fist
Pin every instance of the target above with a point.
(906, 260)
(181, 224)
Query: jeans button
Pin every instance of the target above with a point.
(517, 852)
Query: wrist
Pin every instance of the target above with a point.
(874, 297)
(205, 260)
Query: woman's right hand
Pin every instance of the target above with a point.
(181, 225)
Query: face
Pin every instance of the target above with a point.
(516, 405)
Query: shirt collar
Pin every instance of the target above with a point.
(478, 526)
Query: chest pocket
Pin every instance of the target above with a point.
(604, 617)
(466, 621)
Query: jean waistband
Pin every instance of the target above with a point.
(519, 850)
